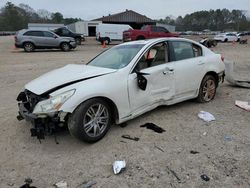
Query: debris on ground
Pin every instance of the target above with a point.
(27, 184)
(159, 148)
(130, 138)
(174, 174)
(194, 152)
(118, 166)
(153, 127)
(243, 41)
(87, 184)
(61, 184)
(230, 77)
(205, 177)
(243, 104)
(228, 138)
(206, 116)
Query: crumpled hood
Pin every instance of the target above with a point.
(65, 75)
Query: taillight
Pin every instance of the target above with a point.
(222, 58)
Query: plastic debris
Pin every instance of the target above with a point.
(242, 104)
(228, 138)
(130, 138)
(118, 166)
(194, 152)
(231, 78)
(206, 116)
(87, 184)
(27, 184)
(153, 127)
(205, 177)
(61, 184)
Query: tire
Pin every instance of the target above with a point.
(207, 89)
(225, 40)
(106, 40)
(85, 120)
(65, 47)
(78, 41)
(28, 47)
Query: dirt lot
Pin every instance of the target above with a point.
(152, 160)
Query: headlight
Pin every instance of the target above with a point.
(54, 103)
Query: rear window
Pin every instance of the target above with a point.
(185, 50)
(34, 33)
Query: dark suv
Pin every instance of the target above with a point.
(65, 32)
(30, 39)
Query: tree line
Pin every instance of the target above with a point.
(14, 18)
(214, 20)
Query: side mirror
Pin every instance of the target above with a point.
(141, 80)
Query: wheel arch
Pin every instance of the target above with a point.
(112, 105)
(215, 75)
(28, 42)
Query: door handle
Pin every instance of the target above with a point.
(168, 71)
(201, 63)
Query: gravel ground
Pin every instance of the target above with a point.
(156, 160)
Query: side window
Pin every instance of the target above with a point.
(183, 50)
(154, 28)
(197, 50)
(34, 33)
(48, 34)
(156, 55)
(162, 29)
(65, 32)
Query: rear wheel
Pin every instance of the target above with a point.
(65, 47)
(207, 89)
(91, 120)
(225, 40)
(28, 47)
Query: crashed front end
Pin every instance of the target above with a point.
(43, 111)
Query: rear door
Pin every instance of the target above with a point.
(159, 75)
(50, 40)
(36, 37)
(189, 66)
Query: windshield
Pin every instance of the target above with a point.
(116, 57)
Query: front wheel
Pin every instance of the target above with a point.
(207, 89)
(90, 121)
(65, 47)
(78, 41)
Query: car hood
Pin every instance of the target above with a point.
(64, 76)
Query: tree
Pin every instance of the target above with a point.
(57, 17)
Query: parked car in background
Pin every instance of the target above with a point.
(147, 32)
(120, 84)
(31, 39)
(226, 37)
(65, 32)
(111, 32)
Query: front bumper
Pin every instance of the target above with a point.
(73, 44)
(41, 125)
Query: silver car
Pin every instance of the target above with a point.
(31, 39)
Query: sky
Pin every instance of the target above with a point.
(154, 9)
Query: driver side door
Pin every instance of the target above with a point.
(159, 74)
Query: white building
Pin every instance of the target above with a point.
(44, 26)
(87, 28)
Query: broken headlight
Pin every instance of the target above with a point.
(54, 103)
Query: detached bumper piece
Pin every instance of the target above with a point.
(42, 125)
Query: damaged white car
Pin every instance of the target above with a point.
(120, 84)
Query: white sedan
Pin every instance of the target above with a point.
(120, 84)
(227, 37)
